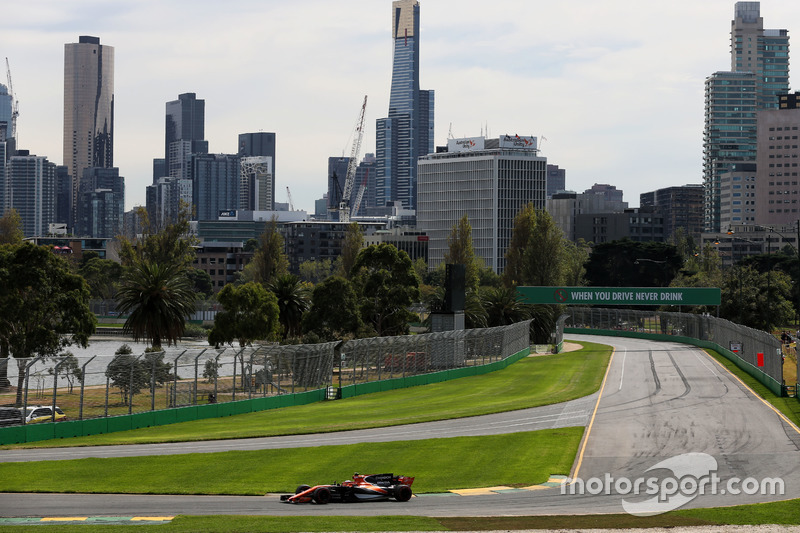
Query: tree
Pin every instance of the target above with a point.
(293, 302)
(11, 227)
(334, 311)
(503, 307)
(157, 299)
(269, 259)
(387, 285)
(755, 299)
(127, 374)
(201, 282)
(316, 270)
(575, 257)
(103, 276)
(626, 263)
(352, 245)
(250, 313)
(44, 307)
(69, 368)
(460, 251)
(170, 243)
(535, 255)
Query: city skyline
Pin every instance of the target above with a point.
(616, 92)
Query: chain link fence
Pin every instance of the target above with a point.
(757, 348)
(108, 385)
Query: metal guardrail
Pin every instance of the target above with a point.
(108, 385)
(758, 349)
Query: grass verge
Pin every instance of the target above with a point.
(782, 513)
(531, 382)
(518, 459)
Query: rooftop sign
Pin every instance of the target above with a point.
(620, 295)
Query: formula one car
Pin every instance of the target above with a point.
(376, 487)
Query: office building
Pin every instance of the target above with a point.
(88, 110)
(759, 72)
(490, 181)
(256, 183)
(637, 224)
(184, 134)
(307, 240)
(609, 192)
(166, 198)
(260, 144)
(215, 184)
(682, 207)
(31, 182)
(778, 188)
(564, 208)
(102, 203)
(556, 180)
(407, 132)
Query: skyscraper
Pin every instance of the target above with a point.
(260, 144)
(407, 132)
(184, 134)
(31, 186)
(88, 110)
(759, 72)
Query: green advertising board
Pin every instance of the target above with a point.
(620, 295)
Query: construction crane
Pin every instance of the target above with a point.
(352, 165)
(291, 203)
(14, 103)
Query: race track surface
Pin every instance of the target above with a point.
(660, 401)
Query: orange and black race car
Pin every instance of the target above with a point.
(376, 487)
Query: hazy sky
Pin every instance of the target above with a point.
(615, 86)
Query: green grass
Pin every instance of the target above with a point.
(782, 513)
(517, 459)
(790, 407)
(531, 382)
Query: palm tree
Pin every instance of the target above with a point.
(503, 307)
(293, 301)
(157, 299)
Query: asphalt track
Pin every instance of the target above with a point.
(659, 402)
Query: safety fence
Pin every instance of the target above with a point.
(756, 352)
(107, 387)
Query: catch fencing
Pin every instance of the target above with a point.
(110, 385)
(757, 352)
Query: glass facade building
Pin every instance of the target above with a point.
(215, 184)
(184, 133)
(31, 185)
(88, 110)
(102, 203)
(759, 73)
(407, 133)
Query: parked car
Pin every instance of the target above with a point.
(10, 416)
(43, 413)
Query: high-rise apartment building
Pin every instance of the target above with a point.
(407, 132)
(682, 207)
(778, 184)
(31, 191)
(759, 72)
(5, 113)
(184, 134)
(490, 181)
(88, 110)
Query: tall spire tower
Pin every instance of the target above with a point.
(407, 132)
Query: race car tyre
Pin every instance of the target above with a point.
(302, 488)
(322, 495)
(402, 493)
